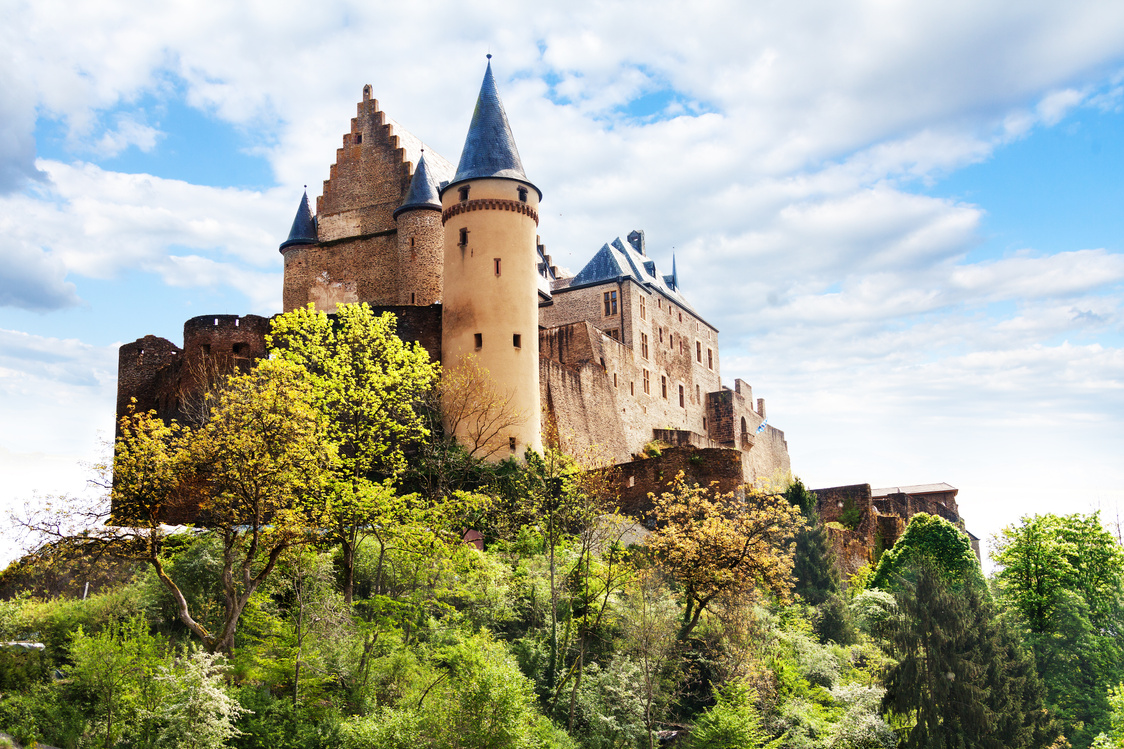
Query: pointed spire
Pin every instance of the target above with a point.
(674, 274)
(489, 149)
(423, 190)
(304, 225)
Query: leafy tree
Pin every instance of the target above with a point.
(934, 541)
(1114, 737)
(717, 544)
(961, 678)
(369, 386)
(1062, 575)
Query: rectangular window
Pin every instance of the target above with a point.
(644, 345)
(632, 388)
(710, 358)
(643, 308)
(682, 398)
(511, 443)
(610, 303)
(464, 238)
(661, 335)
(522, 194)
(659, 302)
(614, 334)
(614, 379)
(463, 193)
(698, 351)
(413, 298)
(478, 340)
(647, 384)
(698, 394)
(496, 264)
(663, 386)
(517, 340)
(680, 317)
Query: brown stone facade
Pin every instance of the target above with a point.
(640, 478)
(864, 521)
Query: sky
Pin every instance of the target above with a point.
(903, 217)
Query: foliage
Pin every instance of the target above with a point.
(932, 541)
(961, 678)
(718, 544)
(732, 722)
(197, 713)
(1114, 738)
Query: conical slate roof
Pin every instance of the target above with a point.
(304, 226)
(423, 190)
(489, 149)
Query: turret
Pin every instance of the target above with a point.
(302, 236)
(490, 304)
(420, 248)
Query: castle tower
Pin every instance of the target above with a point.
(295, 250)
(490, 306)
(420, 250)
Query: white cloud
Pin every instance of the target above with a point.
(128, 132)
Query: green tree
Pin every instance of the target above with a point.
(197, 713)
(370, 387)
(962, 678)
(817, 579)
(733, 722)
(1114, 737)
(934, 541)
(1062, 576)
(719, 544)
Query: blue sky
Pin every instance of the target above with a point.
(904, 218)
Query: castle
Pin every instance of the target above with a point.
(603, 362)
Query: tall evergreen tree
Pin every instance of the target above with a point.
(961, 676)
(817, 579)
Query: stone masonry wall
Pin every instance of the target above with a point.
(654, 475)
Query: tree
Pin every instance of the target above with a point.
(198, 713)
(369, 386)
(962, 677)
(816, 576)
(716, 544)
(1062, 576)
(938, 543)
(256, 471)
(732, 722)
(476, 409)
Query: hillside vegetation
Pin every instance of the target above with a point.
(330, 597)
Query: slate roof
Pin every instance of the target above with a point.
(617, 260)
(304, 226)
(916, 489)
(423, 190)
(489, 149)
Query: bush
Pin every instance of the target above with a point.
(732, 722)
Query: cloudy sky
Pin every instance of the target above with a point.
(904, 217)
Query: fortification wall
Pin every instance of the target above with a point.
(138, 364)
(654, 475)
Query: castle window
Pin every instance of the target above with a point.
(603, 367)
(464, 238)
(511, 443)
(663, 386)
(358, 138)
(710, 358)
(241, 348)
(517, 340)
(478, 340)
(647, 384)
(682, 398)
(698, 394)
(412, 241)
(680, 317)
(610, 303)
(522, 194)
(643, 309)
(614, 334)
(413, 297)
(704, 423)
(614, 379)
(644, 345)
(632, 388)
(463, 193)
(496, 264)
(661, 335)
(698, 351)
(659, 302)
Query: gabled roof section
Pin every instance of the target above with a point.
(489, 149)
(618, 260)
(304, 226)
(423, 190)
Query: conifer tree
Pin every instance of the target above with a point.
(817, 579)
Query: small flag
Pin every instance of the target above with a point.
(761, 428)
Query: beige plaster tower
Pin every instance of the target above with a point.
(490, 306)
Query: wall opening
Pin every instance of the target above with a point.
(522, 194)
(478, 340)
(511, 443)
(464, 237)
(496, 265)
(517, 340)
(463, 194)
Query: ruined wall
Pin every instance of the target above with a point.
(653, 475)
(854, 544)
(137, 366)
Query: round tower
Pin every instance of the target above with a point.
(302, 239)
(420, 241)
(490, 305)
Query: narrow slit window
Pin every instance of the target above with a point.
(614, 379)
(412, 241)
(413, 297)
(698, 351)
(663, 386)
(517, 340)
(682, 398)
(647, 384)
(698, 394)
(632, 387)
(643, 309)
(464, 237)
(496, 265)
(478, 340)
(511, 443)
(710, 358)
